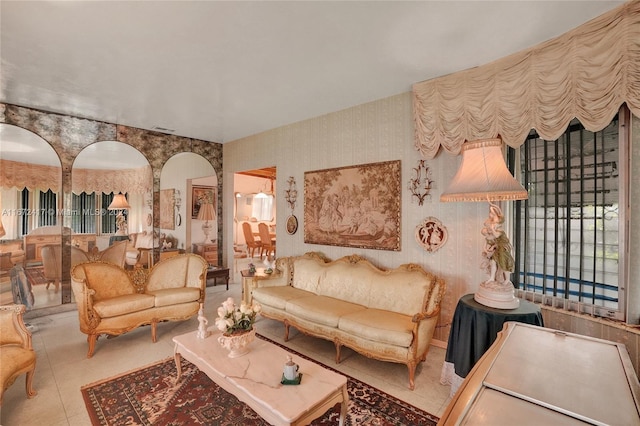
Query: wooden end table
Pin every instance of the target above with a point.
(254, 379)
(213, 272)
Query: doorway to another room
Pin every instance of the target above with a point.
(254, 211)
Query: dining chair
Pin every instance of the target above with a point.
(268, 243)
(252, 244)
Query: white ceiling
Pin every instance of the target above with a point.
(219, 71)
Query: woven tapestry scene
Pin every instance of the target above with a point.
(151, 396)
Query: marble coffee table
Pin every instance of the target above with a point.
(255, 378)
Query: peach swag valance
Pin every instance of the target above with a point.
(30, 176)
(34, 176)
(586, 73)
(129, 181)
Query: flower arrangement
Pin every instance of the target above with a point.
(234, 319)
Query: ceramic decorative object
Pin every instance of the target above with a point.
(431, 234)
(236, 324)
(237, 344)
(203, 333)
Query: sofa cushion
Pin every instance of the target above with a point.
(121, 305)
(349, 281)
(379, 326)
(277, 297)
(174, 296)
(321, 309)
(107, 280)
(401, 291)
(307, 274)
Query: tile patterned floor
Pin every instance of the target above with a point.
(62, 367)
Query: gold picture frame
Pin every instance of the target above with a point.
(354, 206)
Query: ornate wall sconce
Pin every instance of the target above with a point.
(420, 185)
(178, 202)
(291, 194)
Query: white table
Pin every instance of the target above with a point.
(254, 379)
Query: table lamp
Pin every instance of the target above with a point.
(206, 213)
(483, 176)
(120, 203)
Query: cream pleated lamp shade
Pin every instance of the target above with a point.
(483, 175)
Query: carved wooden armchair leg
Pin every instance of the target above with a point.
(286, 330)
(412, 373)
(91, 339)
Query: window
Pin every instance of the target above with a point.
(91, 213)
(83, 206)
(38, 209)
(568, 233)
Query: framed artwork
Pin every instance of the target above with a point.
(167, 208)
(202, 195)
(355, 206)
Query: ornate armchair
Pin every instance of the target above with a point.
(16, 353)
(52, 259)
(140, 249)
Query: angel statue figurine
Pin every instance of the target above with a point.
(203, 333)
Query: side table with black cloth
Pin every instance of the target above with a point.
(474, 329)
(114, 238)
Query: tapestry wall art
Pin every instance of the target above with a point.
(354, 206)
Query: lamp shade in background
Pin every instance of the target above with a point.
(483, 175)
(206, 213)
(119, 202)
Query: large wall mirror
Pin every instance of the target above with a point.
(30, 204)
(100, 172)
(184, 179)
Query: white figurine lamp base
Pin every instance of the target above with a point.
(496, 295)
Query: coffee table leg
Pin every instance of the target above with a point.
(343, 406)
(178, 359)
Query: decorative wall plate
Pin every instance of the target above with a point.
(292, 224)
(431, 234)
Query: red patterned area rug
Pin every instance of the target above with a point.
(35, 275)
(150, 396)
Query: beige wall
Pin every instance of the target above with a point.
(369, 133)
(380, 131)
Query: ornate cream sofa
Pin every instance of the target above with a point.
(113, 301)
(387, 315)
